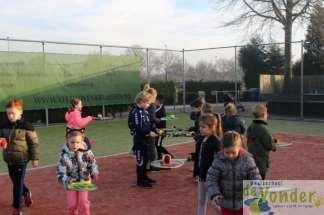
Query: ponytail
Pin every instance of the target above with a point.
(74, 102)
(213, 121)
(218, 126)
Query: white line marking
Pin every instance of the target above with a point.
(97, 158)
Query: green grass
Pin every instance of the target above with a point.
(113, 137)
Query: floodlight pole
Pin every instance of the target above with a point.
(147, 66)
(235, 71)
(302, 81)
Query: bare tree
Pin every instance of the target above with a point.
(267, 12)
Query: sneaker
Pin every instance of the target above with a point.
(145, 185)
(154, 169)
(16, 212)
(28, 200)
(150, 180)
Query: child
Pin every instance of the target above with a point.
(259, 139)
(152, 153)
(208, 108)
(231, 121)
(142, 132)
(161, 124)
(22, 146)
(75, 121)
(196, 110)
(225, 177)
(210, 144)
(76, 162)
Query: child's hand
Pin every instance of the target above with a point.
(35, 163)
(153, 134)
(3, 143)
(217, 200)
(95, 176)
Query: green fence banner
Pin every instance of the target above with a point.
(48, 80)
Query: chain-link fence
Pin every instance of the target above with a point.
(247, 73)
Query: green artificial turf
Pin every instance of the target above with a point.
(113, 136)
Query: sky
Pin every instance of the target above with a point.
(175, 24)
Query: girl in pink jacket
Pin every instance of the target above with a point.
(75, 121)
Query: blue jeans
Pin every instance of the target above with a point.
(17, 176)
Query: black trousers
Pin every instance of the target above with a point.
(160, 149)
(140, 151)
(17, 176)
(195, 159)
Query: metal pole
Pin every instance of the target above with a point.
(46, 117)
(100, 47)
(44, 67)
(147, 65)
(216, 97)
(302, 81)
(183, 81)
(8, 43)
(235, 71)
(103, 111)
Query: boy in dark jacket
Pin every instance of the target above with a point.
(225, 177)
(22, 147)
(260, 141)
(141, 129)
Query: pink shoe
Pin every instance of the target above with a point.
(73, 211)
(16, 212)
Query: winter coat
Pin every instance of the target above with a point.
(22, 142)
(225, 177)
(260, 144)
(233, 123)
(75, 121)
(209, 147)
(74, 166)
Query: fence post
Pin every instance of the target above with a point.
(8, 44)
(46, 117)
(235, 71)
(216, 93)
(302, 81)
(103, 109)
(46, 109)
(183, 81)
(147, 65)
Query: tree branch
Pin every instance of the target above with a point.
(278, 12)
(303, 10)
(260, 14)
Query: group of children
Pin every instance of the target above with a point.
(223, 157)
(76, 162)
(226, 154)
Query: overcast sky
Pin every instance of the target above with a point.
(155, 23)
